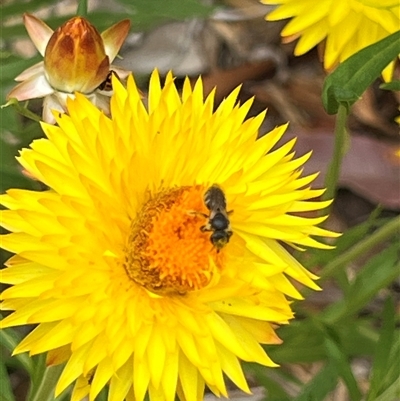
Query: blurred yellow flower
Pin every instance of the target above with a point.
(77, 58)
(346, 26)
(113, 262)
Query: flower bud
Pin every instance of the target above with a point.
(75, 58)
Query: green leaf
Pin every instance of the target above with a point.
(303, 342)
(82, 8)
(12, 65)
(100, 19)
(103, 396)
(357, 336)
(316, 257)
(9, 339)
(347, 83)
(342, 364)
(159, 10)
(379, 272)
(391, 86)
(21, 109)
(10, 142)
(382, 235)
(392, 368)
(5, 386)
(321, 385)
(383, 351)
(17, 8)
(44, 380)
(268, 378)
(391, 393)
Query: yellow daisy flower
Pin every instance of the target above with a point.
(347, 26)
(117, 263)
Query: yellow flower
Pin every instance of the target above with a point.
(77, 58)
(347, 26)
(114, 263)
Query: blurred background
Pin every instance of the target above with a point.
(344, 344)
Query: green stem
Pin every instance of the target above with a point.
(21, 109)
(44, 386)
(384, 233)
(340, 149)
(82, 8)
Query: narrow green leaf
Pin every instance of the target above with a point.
(12, 65)
(17, 8)
(274, 390)
(383, 350)
(103, 396)
(5, 386)
(9, 339)
(379, 272)
(342, 364)
(392, 368)
(350, 237)
(303, 342)
(348, 82)
(321, 385)
(268, 378)
(173, 9)
(382, 235)
(13, 136)
(22, 109)
(392, 393)
(340, 148)
(39, 362)
(391, 86)
(44, 381)
(82, 8)
(100, 19)
(357, 336)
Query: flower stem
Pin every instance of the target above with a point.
(384, 233)
(46, 379)
(82, 8)
(22, 109)
(341, 145)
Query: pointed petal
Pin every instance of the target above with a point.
(30, 72)
(50, 103)
(35, 87)
(38, 31)
(114, 36)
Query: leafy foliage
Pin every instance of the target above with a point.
(350, 80)
(332, 336)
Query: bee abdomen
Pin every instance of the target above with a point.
(214, 198)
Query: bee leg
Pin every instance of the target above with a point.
(195, 213)
(205, 228)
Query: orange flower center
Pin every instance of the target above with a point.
(167, 252)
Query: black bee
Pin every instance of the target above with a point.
(218, 220)
(106, 85)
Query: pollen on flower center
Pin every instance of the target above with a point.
(166, 250)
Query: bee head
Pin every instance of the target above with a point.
(220, 238)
